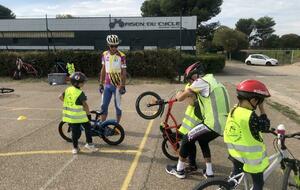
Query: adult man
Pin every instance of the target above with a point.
(204, 121)
(112, 77)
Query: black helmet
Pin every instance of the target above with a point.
(78, 77)
(196, 68)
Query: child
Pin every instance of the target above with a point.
(76, 111)
(243, 129)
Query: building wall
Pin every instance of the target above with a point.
(90, 33)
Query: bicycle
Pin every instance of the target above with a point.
(110, 131)
(283, 157)
(6, 90)
(59, 67)
(27, 69)
(149, 105)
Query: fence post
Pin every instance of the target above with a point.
(292, 57)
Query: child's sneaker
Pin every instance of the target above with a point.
(172, 169)
(91, 147)
(206, 175)
(75, 150)
(191, 169)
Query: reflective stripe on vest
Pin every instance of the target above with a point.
(242, 148)
(241, 145)
(73, 113)
(252, 161)
(216, 106)
(189, 121)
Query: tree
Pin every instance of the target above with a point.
(62, 16)
(245, 25)
(151, 8)
(290, 41)
(6, 13)
(272, 42)
(264, 26)
(231, 40)
(203, 9)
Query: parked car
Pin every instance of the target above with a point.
(260, 59)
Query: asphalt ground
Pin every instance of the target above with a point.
(34, 156)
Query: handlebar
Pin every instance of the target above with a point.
(292, 135)
(162, 102)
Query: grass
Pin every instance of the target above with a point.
(285, 110)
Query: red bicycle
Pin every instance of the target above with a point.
(150, 105)
(27, 69)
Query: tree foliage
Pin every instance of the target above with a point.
(290, 41)
(265, 26)
(231, 40)
(245, 25)
(203, 9)
(6, 13)
(272, 42)
(62, 16)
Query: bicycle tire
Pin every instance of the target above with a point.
(166, 150)
(154, 98)
(287, 181)
(65, 131)
(6, 90)
(219, 182)
(118, 129)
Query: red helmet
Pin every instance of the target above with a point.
(252, 89)
(196, 68)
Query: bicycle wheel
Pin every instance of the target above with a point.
(128, 78)
(213, 184)
(113, 134)
(6, 90)
(168, 150)
(65, 131)
(291, 180)
(146, 105)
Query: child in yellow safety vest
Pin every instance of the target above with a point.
(76, 111)
(242, 133)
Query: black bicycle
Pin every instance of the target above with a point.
(59, 67)
(283, 158)
(110, 130)
(6, 90)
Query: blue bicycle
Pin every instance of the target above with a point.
(110, 131)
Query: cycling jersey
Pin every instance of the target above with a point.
(113, 65)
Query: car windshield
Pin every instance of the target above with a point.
(266, 57)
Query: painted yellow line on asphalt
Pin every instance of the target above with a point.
(63, 152)
(136, 158)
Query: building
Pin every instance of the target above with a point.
(90, 33)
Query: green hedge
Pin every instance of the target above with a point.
(149, 63)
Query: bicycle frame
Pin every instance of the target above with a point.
(169, 116)
(275, 160)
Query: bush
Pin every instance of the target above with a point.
(163, 63)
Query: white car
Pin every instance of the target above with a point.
(260, 59)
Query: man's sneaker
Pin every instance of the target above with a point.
(91, 147)
(171, 169)
(207, 176)
(75, 150)
(191, 169)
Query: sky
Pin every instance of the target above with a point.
(286, 13)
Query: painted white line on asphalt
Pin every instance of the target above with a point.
(58, 173)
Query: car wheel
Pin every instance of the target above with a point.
(248, 63)
(269, 64)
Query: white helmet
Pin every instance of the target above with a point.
(112, 40)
